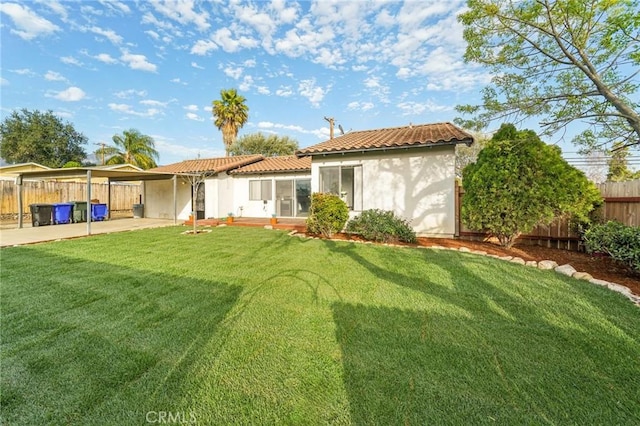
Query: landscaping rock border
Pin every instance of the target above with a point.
(567, 269)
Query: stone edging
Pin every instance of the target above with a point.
(567, 269)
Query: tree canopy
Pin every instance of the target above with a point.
(519, 182)
(560, 60)
(33, 136)
(230, 113)
(269, 146)
(618, 165)
(132, 147)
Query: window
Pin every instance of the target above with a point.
(344, 181)
(259, 189)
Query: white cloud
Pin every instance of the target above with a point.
(246, 84)
(4, 81)
(192, 108)
(54, 76)
(309, 90)
(106, 58)
(57, 7)
(202, 47)
(154, 35)
(149, 18)
(137, 62)
(28, 24)
(183, 12)
(320, 133)
(224, 38)
(108, 34)
(263, 90)
(193, 116)
(417, 108)
(24, 71)
(127, 109)
(233, 72)
(116, 6)
(284, 91)
(70, 60)
(360, 106)
(358, 68)
(151, 102)
(195, 65)
(384, 19)
(249, 63)
(126, 94)
(72, 94)
(178, 81)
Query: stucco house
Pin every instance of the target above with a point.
(409, 170)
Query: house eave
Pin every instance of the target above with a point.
(466, 141)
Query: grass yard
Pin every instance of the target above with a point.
(251, 326)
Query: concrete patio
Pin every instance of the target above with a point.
(32, 235)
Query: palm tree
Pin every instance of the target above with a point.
(230, 114)
(132, 147)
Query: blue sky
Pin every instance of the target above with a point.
(156, 66)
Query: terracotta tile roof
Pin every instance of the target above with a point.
(283, 164)
(215, 165)
(391, 138)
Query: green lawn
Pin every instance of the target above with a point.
(251, 326)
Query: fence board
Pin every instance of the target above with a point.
(123, 196)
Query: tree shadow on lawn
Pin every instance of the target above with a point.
(486, 351)
(91, 343)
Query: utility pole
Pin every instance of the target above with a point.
(331, 123)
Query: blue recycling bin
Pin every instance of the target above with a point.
(61, 213)
(98, 212)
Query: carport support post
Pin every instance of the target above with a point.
(19, 187)
(175, 199)
(88, 202)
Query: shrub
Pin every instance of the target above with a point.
(381, 226)
(327, 214)
(519, 182)
(620, 241)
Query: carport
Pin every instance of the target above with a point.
(88, 173)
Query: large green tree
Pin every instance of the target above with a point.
(618, 165)
(230, 113)
(561, 60)
(33, 136)
(519, 182)
(132, 147)
(269, 146)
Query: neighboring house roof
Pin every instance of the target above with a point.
(283, 164)
(214, 165)
(391, 138)
(16, 169)
(119, 167)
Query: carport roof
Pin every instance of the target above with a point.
(112, 175)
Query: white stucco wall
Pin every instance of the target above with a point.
(158, 199)
(417, 184)
(257, 208)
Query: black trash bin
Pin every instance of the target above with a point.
(138, 211)
(40, 214)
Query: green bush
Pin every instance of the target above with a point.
(381, 226)
(327, 214)
(620, 241)
(519, 182)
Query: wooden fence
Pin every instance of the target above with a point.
(123, 196)
(621, 203)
